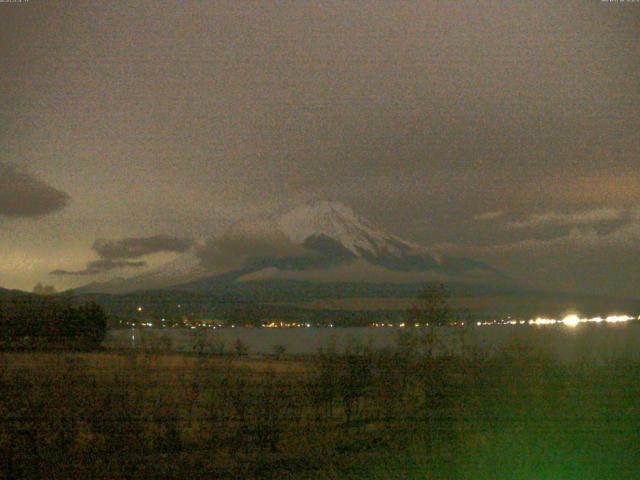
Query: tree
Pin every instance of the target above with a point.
(95, 324)
(36, 321)
(279, 351)
(354, 378)
(240, 347)
(431, 308)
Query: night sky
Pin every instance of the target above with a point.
(505, 131)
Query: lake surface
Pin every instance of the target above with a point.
(589, 342)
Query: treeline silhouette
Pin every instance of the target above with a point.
(43, 322)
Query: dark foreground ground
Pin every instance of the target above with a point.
(515, 414)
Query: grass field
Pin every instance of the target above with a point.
(516, 414)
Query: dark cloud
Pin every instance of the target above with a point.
(138, 247)
(23, 195)
(116, 254)
(235, 251)
(101, 266)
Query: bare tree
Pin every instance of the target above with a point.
(432, 309)
(279, 351)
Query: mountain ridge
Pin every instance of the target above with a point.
(311, 240)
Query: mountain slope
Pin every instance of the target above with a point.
(340, 245)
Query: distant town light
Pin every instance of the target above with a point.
(571, 320)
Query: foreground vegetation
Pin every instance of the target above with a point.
(399, 413)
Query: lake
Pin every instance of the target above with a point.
(589, 342)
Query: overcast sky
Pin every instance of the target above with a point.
(506, 131)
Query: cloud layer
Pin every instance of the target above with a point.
(230, 252)
(23, 195)
(595, 251)
(138, 247)
(117, 254)
(486, 216)
(600, 227)
(97, 267)
(560, 219)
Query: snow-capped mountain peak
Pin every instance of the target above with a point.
(340, 223)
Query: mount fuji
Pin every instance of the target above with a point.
(324, 241)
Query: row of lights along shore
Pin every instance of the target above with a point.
(569, 321)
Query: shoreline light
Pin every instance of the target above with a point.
(571, 320)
